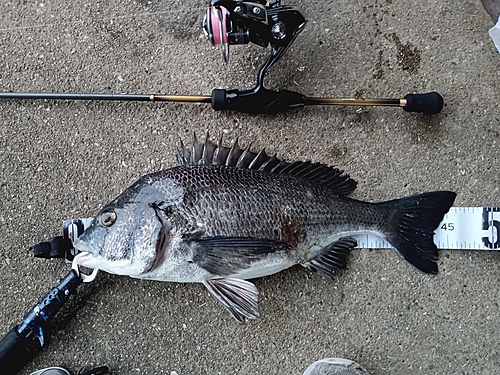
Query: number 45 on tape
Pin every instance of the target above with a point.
(463, 228)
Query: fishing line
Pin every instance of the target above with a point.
(93, 20)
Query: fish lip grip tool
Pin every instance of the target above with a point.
(62, 246)
(19, 345)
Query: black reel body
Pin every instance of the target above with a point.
(239, 22)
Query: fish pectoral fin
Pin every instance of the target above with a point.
(238, 296)
(224, 256)
(333, 257)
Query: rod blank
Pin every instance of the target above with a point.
(260, 101)
(356, 102)
(61, 96)
(116, 97)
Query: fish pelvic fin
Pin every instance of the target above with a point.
(208, 153)
(414, 221)
(239, 297)
(333, 257)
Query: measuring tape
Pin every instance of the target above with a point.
(462, 228)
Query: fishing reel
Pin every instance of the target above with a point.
(230, 22)
(240, 22)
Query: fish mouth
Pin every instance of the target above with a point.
(82, 247)
(85, 259)
(84, 254)
(90, 260)
(88, 257)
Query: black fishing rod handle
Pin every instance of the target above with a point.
(430, 103)
(16, 351)
(256, 101)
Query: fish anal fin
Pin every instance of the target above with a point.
(332, 257)
(239, 297)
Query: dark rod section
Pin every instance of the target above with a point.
(118, 97)
(61, 96)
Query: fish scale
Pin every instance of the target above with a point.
(244, 197)
(226, 215)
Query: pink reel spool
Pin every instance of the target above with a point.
(216, 21)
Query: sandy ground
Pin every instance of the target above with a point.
(62, 160)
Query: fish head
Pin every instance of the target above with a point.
(121, 241)
(129, 235)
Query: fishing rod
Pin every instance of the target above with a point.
(229, 22)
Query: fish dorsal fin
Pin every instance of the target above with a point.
(209, 153)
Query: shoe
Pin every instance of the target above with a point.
(52, 371)
(493, 9)
(335, 366)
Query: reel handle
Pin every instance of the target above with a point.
(256, 101)
(430, 103)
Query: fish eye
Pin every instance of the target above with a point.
(108, 218)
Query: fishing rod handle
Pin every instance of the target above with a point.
(430, 103)
(256, 101)
(16, 351)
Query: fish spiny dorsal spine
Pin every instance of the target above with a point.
(208, 153)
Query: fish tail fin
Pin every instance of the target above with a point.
(414, 220)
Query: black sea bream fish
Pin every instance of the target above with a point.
(225, 215)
